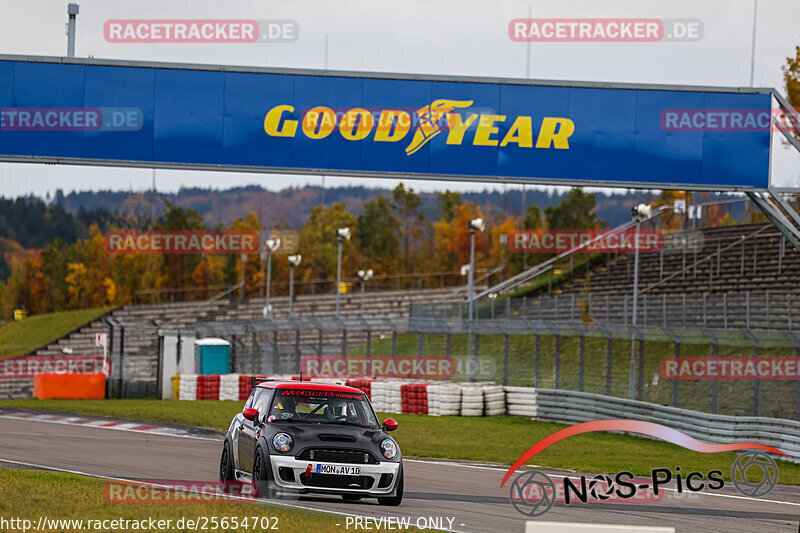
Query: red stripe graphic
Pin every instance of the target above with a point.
(634, 426)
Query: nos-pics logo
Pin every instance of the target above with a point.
(533, 493)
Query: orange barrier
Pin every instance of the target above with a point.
(69, 386)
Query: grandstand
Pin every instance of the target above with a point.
(738, 258)
(138, 324)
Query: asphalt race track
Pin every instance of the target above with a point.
(469, 493)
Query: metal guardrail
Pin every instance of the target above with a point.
(573, 407)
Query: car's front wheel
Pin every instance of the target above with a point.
(226, 477)
(262, 476)
(398, 497)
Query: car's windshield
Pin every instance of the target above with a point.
(322, 407)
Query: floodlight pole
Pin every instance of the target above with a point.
(362, 296)
(269, 279)
(338, 274)
(72, 12)
(470, 280)
(291, 287)
(632, 375)
(263, 256)
(243, 257)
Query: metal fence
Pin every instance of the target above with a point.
(557, 354)
(748, 310)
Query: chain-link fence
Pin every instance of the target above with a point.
(558, 354)
(748, 310)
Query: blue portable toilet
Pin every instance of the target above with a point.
(212, 356)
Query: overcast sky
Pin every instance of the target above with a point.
(466, 37)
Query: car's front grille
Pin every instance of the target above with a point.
(331, 455)
(336, 481)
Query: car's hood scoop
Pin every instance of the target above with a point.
(336, 437)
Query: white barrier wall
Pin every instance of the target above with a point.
(571, 407)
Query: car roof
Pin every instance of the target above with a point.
(307, 385)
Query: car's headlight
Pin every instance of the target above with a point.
(282, 442)
(389, 448)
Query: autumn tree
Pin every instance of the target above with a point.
(576, 211)
(179, 267)
(253, 275)
(406, 205)
(448, 201)
(791, 78)
(319, 247)
(376, 235)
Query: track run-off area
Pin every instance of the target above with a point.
(470, 494)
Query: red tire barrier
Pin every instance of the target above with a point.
(208, 387)
(415, 398)
(364, 385)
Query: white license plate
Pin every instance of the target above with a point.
(342, 470)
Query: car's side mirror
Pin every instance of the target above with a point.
(390, 424)
(250, 413)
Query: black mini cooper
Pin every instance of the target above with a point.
(304, 437)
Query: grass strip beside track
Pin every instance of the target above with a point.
(31, 494)
(491, 439)
(22, 336)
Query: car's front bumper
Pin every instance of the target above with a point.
(373, 475)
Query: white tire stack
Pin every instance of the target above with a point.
(471, 399)
(379, 396)
(494, 400)
(330, 381)
(187, 390)
(521, 401)
(444, 400)
(229, 387)
(394, 396)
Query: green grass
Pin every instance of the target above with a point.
(492, 439)
(30, 495)
(207, 414)
(22, 336)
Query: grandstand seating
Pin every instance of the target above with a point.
(141, 322)
(754, 265)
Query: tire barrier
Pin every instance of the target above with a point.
(434, 398)
(414, 398)
(548, 405)
(444, 399)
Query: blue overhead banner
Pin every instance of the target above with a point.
(96, 112)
